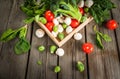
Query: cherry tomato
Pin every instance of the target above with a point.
(81, 11)
(111, 24)
(49, 26)
(74, 23)
(87, 48)
(49, 16)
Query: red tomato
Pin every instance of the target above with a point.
(74, 23)
(49, 16)
(111, 24)
(81, 11)
(49, 26)
(87, 48)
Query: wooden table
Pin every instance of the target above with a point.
(101, 64)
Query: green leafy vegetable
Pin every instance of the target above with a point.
(8, 35)
(34, 8)
(22, 46)
(37, 18)
(100, 10)
(23, 32)
(99, 42)
(29, 20)
(100, 36)
(80, 66)
(67, 8)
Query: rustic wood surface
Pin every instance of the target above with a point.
(101, 64)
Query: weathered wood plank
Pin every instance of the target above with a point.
(116, 16)
(66, 61)
(95, 61)
(4, 15)
(51, 62)
(44, 71)
(79, 55)
(36, 71)
(13, 66)
(104, 64)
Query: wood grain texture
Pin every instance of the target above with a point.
(116, 16)
(66, 61)
(79, 55)
(13, 66)
(36, 71)
(4, 15)
(45, 70)
(104, 64)
(95, 61)
(52, 61)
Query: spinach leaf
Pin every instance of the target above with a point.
(99, 42)
(8, 35)
(23, 32)
(22, 46)
(29, 20)
(106, 37)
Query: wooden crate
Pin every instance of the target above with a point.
(58, 42)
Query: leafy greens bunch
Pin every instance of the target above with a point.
(22, 45)
(66, 7)
(100, 10)
(34, 8)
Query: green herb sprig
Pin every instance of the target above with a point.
(100, 36)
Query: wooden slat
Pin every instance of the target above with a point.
(13, 66)
(45, 70)
(104, 64)
(116, 16)
(4, 15)
(36, 71)
(95, 61)
(79, 55)
(66, 61)
(51, 62)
